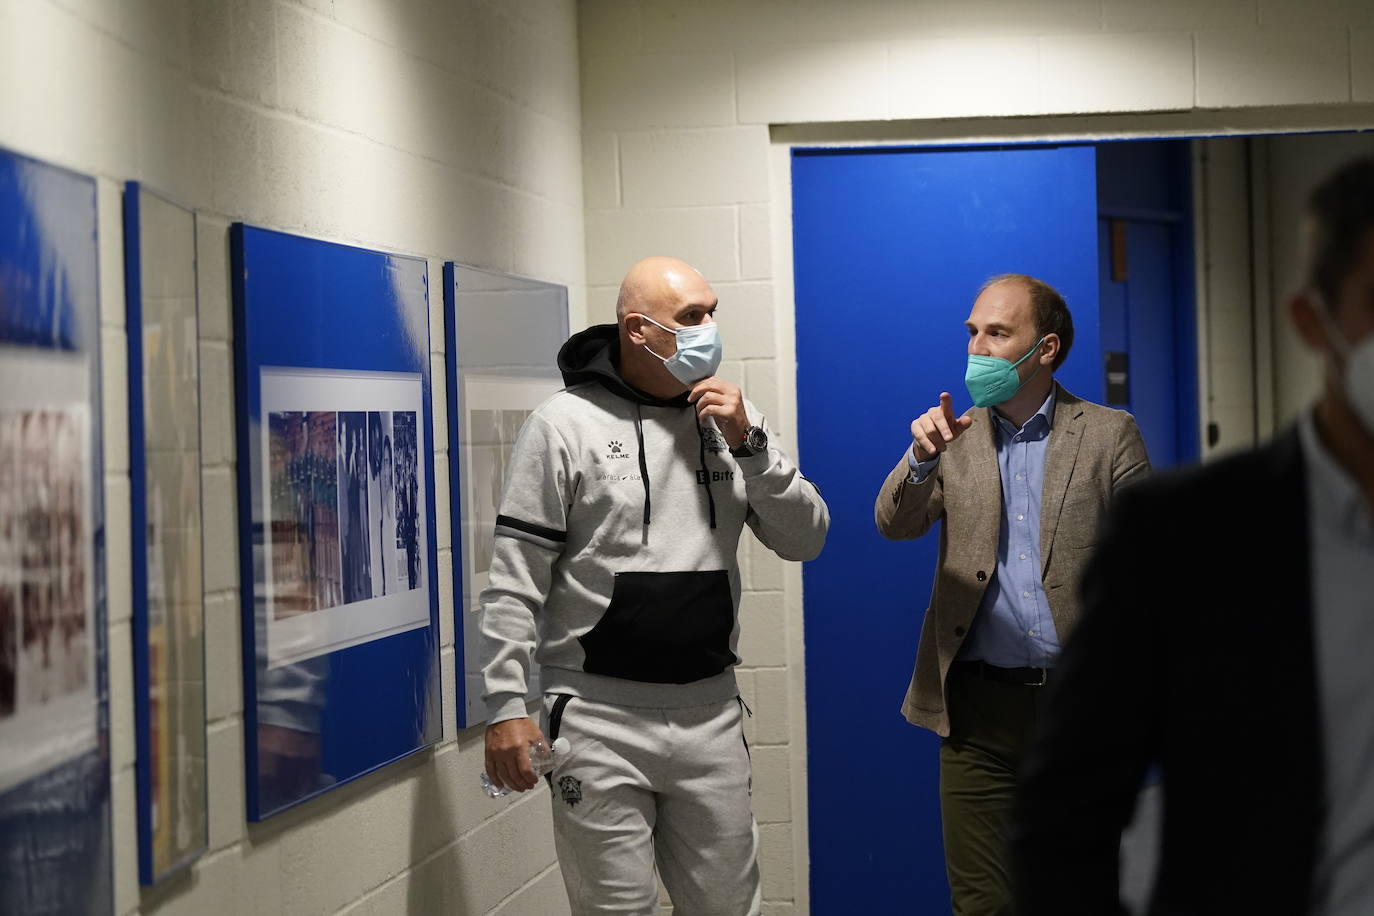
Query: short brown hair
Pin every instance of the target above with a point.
(1051, 312)
(1342, 213)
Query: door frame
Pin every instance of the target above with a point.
(1187, 125)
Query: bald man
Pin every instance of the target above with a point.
(614, 564)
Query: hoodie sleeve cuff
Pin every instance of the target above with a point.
(504, 706)
(754, 465)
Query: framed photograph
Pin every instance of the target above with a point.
(165, 510)
(336, 512)
(54, 747)
(496, 380)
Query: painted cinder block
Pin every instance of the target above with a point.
(224, 777)
(693, 168)
(123, 747)
(118, 568)
(608, 27)
(114, 370)
(1362, 63)
(772, 784)
(820, 82)
(1175, 15)
(704, 237)
(124, 813)
(253, 50)
(1132, 72)
(755, 241)
(216, 405)
(1289, 66)
(1008, 17)
(747, 319)
(964, 77)
(763, 629)
(220, 529)
(600, 169)
(644, 91)
(1311, 13)
(772, 714)
(223, 657)
(776, 871)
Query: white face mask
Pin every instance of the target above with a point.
(698, 353)
(1358, 359)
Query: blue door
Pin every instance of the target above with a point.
(890, 247)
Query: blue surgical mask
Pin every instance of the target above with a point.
(698, 351)
(992, 380)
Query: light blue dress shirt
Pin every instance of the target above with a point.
(1013, 627)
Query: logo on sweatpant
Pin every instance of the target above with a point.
(570, 787)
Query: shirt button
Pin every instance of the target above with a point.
(1026, 595)
(1020, 518)
(1018, 476)
(982, 575)
(1023, 556)
(1031, 632)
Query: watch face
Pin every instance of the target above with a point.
(756, 439)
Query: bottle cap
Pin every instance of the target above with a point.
(561, 747)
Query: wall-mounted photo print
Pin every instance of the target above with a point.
(342, 504)
(54, 758)
(165, 531)
(336, 512)
(496, 380)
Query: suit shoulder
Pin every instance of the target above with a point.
(1102, 415)
(1233, 480)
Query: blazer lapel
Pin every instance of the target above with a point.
(987, 478)
(1066, 435)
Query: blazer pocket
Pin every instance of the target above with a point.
(663, 628)
(1081, 519)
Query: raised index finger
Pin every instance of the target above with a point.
(947, 407)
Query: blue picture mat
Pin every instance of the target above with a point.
(495, 326)
(55, 840)
(138, 513)
(326, 307)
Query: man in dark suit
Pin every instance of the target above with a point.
(1227, 639)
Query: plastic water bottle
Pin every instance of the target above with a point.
(543, 758)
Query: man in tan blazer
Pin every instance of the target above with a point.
(1021, 482)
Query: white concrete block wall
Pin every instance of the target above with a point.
(428, 127)
(681, 103)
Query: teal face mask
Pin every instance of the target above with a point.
(992, 380)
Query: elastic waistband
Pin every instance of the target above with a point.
(638, 693)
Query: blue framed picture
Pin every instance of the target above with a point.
(165, 510)
(336, 512)
(496, 378)
(54, 722)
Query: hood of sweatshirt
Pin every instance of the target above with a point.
(593, 355)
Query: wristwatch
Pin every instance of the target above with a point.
(755, 442)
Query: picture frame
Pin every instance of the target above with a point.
(166, 531)
(55, 810)
(336, 518)
(502, 333)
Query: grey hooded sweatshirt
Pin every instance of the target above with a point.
(614, 559)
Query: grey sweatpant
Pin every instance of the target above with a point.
(644, 786)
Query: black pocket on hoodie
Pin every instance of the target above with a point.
(664, 628)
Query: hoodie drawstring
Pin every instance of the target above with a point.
(643, 465)
(705, 474)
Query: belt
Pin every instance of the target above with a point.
(1021, 677)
